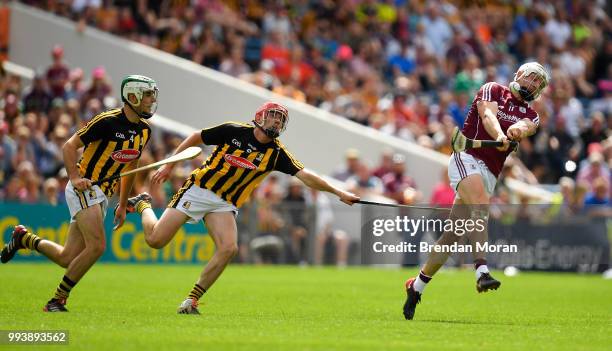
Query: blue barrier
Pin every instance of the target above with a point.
(191, 244)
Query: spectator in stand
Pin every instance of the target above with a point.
(276, 49)
(263, 77)
(606, 146)
(24, 151)
(570, 109)
(295, 68)
(234, 64)
(7, 150)
(91, 109)
(15, 190)
(325, 231)
(295, 216)
(594, 169)
(557, 28)
(437, 30)
(75, 87)
(268, 245)
(386, 164)
(443, 194)
(525, 32)
(596, 133)
(406, 123)
(47, 154)
(600, 194)
(561, 148)
(30, 188)
(62, 178)
(458, 52)
(58, 73)
(38, 99)
(471, 78)
(363, 183)
(396, 182)
(50, 192)
(99, 88)
(350, 168)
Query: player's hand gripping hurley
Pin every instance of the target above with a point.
(460, 142)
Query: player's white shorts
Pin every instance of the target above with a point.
(80, 200)
(197, 202)
(463, 164)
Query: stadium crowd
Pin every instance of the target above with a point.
(407, 68)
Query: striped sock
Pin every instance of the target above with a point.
(63, 290)
(421, 281)
(142, 205)
(479, 262)
(30, 241)
(197, 292)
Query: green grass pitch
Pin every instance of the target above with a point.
(132, 307)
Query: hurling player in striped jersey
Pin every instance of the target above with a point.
(112, 142)
(244, 155)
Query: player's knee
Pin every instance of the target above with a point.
(229, 250)
(97, 248)
(66, 258)
(64, 261)
(481, 199)
(476, 198)
(154, 242)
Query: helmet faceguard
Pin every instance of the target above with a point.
(139, 86)
(271, 110)
(530, 73)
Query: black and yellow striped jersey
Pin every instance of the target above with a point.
(111, 142)
(239, 162)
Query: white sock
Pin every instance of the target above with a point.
(419, 285)
(482, 269)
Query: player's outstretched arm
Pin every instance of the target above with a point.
(313, 180)
(164, 171)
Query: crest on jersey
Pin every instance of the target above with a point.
(238, 161)
(125, 156)
(522, 109)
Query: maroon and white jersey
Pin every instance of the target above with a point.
(509, 111)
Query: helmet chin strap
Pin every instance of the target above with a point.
(522, 91)
(144, 115)
(271, 133)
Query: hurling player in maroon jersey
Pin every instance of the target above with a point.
(244, 155)
(497, 113)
